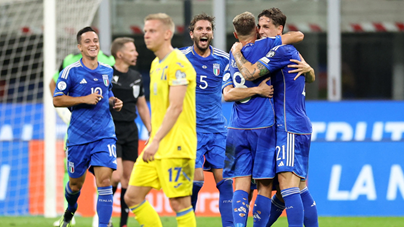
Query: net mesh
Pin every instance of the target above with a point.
(21, 98)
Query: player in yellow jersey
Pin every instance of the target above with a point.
(168, 160)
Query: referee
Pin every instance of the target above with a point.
(128, 87)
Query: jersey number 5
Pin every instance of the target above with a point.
(203, 81)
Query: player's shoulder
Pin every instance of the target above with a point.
(220, 53)
(70, 68)
(284, 49)
(105, 69)
(178, 56)
(265, 41)
(186, 50)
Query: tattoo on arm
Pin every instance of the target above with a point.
(258, 70)
(241, 65)
(263, 70)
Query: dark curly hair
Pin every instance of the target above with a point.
(202, 16)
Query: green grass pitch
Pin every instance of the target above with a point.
(37, 221)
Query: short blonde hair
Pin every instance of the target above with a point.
(119, 43)
(244, 23)
(164, 18)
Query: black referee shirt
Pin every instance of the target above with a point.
(128, 87)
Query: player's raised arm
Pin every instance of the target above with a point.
(249, 71)
(232, 94)
(292, 37)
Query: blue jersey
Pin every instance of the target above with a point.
(210, 71)
(256, 111)
(88, 123)
(289, 95)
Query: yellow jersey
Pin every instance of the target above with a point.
(173, 70)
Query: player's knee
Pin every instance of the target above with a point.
(104, 182)
(302, 185)
(175, 205)
(75, 186)
(132, 200)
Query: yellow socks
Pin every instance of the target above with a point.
(186, 218)
(146, 215)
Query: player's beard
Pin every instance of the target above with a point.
(197, 41)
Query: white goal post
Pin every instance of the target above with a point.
(35, 36)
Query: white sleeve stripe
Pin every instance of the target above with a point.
(222, 55)
(66, 71)
(220, 51)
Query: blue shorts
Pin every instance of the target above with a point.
(292, 152)
(98, 153)
(250, 153)
(210, 151)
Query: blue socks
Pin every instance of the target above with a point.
(71, 198)
(225, 187)
(240, 208)
(294, 206)
(277, 208)
(195, 190)
(261, 211)
(310, 209)
(104, 205)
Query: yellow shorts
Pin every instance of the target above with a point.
(174, 175)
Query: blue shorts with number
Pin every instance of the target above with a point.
(250, 153)
(210, 151)
(98, 153)
(292, 152)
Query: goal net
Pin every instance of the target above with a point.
(22, 91)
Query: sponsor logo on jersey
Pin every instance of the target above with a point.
(62, 85)
(180, 64)
(83, 81)
(204, 67)
(270, 54)
(216, 69)
(115, 78)
(179, 75)
(106, 80)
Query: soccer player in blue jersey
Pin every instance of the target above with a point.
(85, 87)
(293, 127)
(210, 64)
(250, 145)
(270, 24)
